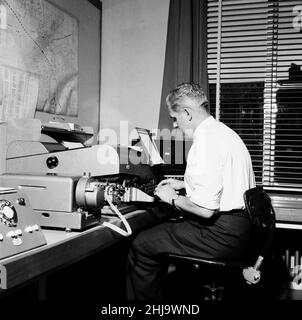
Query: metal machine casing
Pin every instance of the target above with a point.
(49, 172)
(97, 160)
(52, 199)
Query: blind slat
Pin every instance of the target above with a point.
(260, 84)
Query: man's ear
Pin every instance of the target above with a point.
(188, 113)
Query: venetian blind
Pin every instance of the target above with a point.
(255, 82)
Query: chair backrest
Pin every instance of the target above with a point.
(262, 215)
(259, 207)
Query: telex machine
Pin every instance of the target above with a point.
(70, 183)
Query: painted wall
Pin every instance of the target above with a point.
(89, 62)
(133, 52)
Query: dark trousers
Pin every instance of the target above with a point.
(220, 237)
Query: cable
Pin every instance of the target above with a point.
(114, 227)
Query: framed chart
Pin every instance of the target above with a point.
(38, 59)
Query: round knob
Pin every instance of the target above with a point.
(21, 202)
(11, 234)
(18, 232)
(8, 215)
(29, 229)
(8, 212)
(36, 227)
(52, 162)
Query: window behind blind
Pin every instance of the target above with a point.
(255, 83)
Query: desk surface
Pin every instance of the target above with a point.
(64, 248)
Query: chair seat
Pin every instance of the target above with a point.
(215, 274)
(220, 263)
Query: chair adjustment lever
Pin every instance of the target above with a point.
(252, 275)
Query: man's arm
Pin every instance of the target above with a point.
(185, 204)
(166, 193)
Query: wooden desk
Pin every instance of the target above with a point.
(64, 248)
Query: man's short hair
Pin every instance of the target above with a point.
(187, 95)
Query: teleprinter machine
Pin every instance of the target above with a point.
(68, 188)
(49, 155)
(97, 160)
(74, 202)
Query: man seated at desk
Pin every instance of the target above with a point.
(219, 170)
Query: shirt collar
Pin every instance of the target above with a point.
(203, 124)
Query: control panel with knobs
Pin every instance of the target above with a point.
(19, 230)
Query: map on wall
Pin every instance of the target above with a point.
(38, 59)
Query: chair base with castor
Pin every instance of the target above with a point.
(217, 279)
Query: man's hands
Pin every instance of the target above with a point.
(165, 193)
(173, 183)
(165, 190)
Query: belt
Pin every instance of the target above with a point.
(235, 212)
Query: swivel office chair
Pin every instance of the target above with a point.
(262, 216)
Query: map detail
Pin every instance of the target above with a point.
(41, 40)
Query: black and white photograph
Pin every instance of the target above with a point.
(150, 156)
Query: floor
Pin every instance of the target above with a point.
(101, 277)
(187, 283)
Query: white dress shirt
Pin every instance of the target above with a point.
(219, 167)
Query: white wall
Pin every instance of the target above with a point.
(133, 52)
(89, 62)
